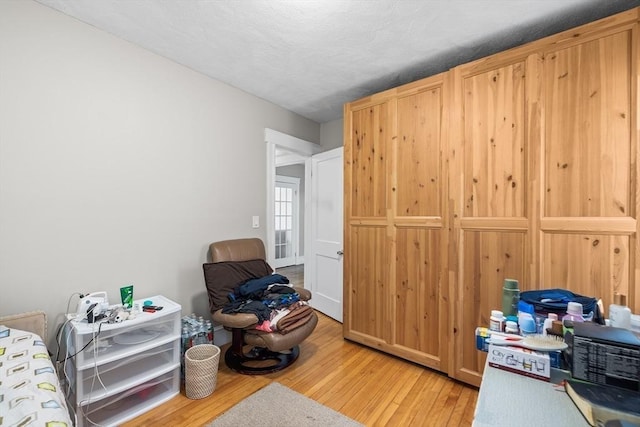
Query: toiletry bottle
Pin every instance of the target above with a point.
(496, 321)
(619, 313)
(574, 315)
(548, 322)
(527, 324)
(510, 297)
(574, 312)
(511, 327)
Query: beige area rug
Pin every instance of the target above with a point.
(277, 405)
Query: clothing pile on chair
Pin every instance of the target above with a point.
(274, 302)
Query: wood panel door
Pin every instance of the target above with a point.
(544, 173)
(367, 254)
(521, 165)
(395, 225)
(589, 163)
(420, 225)
(491, 150)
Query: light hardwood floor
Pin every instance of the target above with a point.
(295, 274)
(369, 386)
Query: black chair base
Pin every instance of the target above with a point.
(242, 362)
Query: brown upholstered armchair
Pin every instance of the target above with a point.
(252, 351)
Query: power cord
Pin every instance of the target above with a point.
(96, 374)
(67, 357)
(58, 333)
(93, 337)
(81, 404)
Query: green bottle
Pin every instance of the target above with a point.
(510, 297)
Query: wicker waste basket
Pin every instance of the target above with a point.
(201, 370)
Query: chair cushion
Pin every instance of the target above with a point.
(237, 250)
(221, 277)
(235, 320)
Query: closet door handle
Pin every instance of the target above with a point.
(340, 253)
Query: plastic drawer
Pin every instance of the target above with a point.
(113, 377)
(128, 404)
(107, 342)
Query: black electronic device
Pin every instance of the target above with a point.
(606, 355)
(94, 313)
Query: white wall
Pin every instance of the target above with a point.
(118, 166)
(331, 134)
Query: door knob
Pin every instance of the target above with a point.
(340, 253)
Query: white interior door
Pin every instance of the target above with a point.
(326, 233)
(286, 221)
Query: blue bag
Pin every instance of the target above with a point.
(545, 301)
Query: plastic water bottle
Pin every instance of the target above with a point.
(185, 339)
(209, 331)
(510, 297)
(193, 334)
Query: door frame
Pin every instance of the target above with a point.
(304, 150)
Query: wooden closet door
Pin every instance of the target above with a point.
(367, 288)
(538, 182)
(545, 160)
(396, 227)
(489, 182)
(419, 196)
(589, 163)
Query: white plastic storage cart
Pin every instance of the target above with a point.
(118, 371)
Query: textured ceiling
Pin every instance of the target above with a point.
(312, 56)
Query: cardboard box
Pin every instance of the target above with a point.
(483, 338)
(534, 364)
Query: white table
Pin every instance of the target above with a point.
(508, 399)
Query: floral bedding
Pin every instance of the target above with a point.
(30, 394)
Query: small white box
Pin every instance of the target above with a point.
(531, 363)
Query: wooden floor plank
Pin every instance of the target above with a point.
(461, 404)
(369, 386)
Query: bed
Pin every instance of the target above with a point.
(30, 393)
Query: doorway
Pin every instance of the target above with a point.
(286, 150)
(322, 216)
